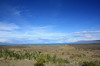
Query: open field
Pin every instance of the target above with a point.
(87, 46)
(50, 55)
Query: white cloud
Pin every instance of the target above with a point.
(41, 34)
(83, 32)
(4, 40)
(8, 26)
(15, 11)
(85, 35)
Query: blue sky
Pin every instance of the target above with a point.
(49, 21)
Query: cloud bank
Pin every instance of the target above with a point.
(13, 33)
(10, 32)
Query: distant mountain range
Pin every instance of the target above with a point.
(87, 41)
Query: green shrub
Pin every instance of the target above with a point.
(38, 56)
(90, 64)
(39, 64)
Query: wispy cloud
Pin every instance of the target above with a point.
(17, 12)
(40, 34)
(11, 11)
(86, 35)
(13, 33)
(8, 26)
(4, 40)
(86, 32)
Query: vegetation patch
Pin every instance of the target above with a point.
(39, 57)
(91, 63)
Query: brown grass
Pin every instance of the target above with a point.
(75, 54)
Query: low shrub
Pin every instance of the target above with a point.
(38, 56)
(90, 64)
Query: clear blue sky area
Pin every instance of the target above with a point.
(49, 21)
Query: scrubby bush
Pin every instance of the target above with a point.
(90, 64)
(38, 56)
(39, 64)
